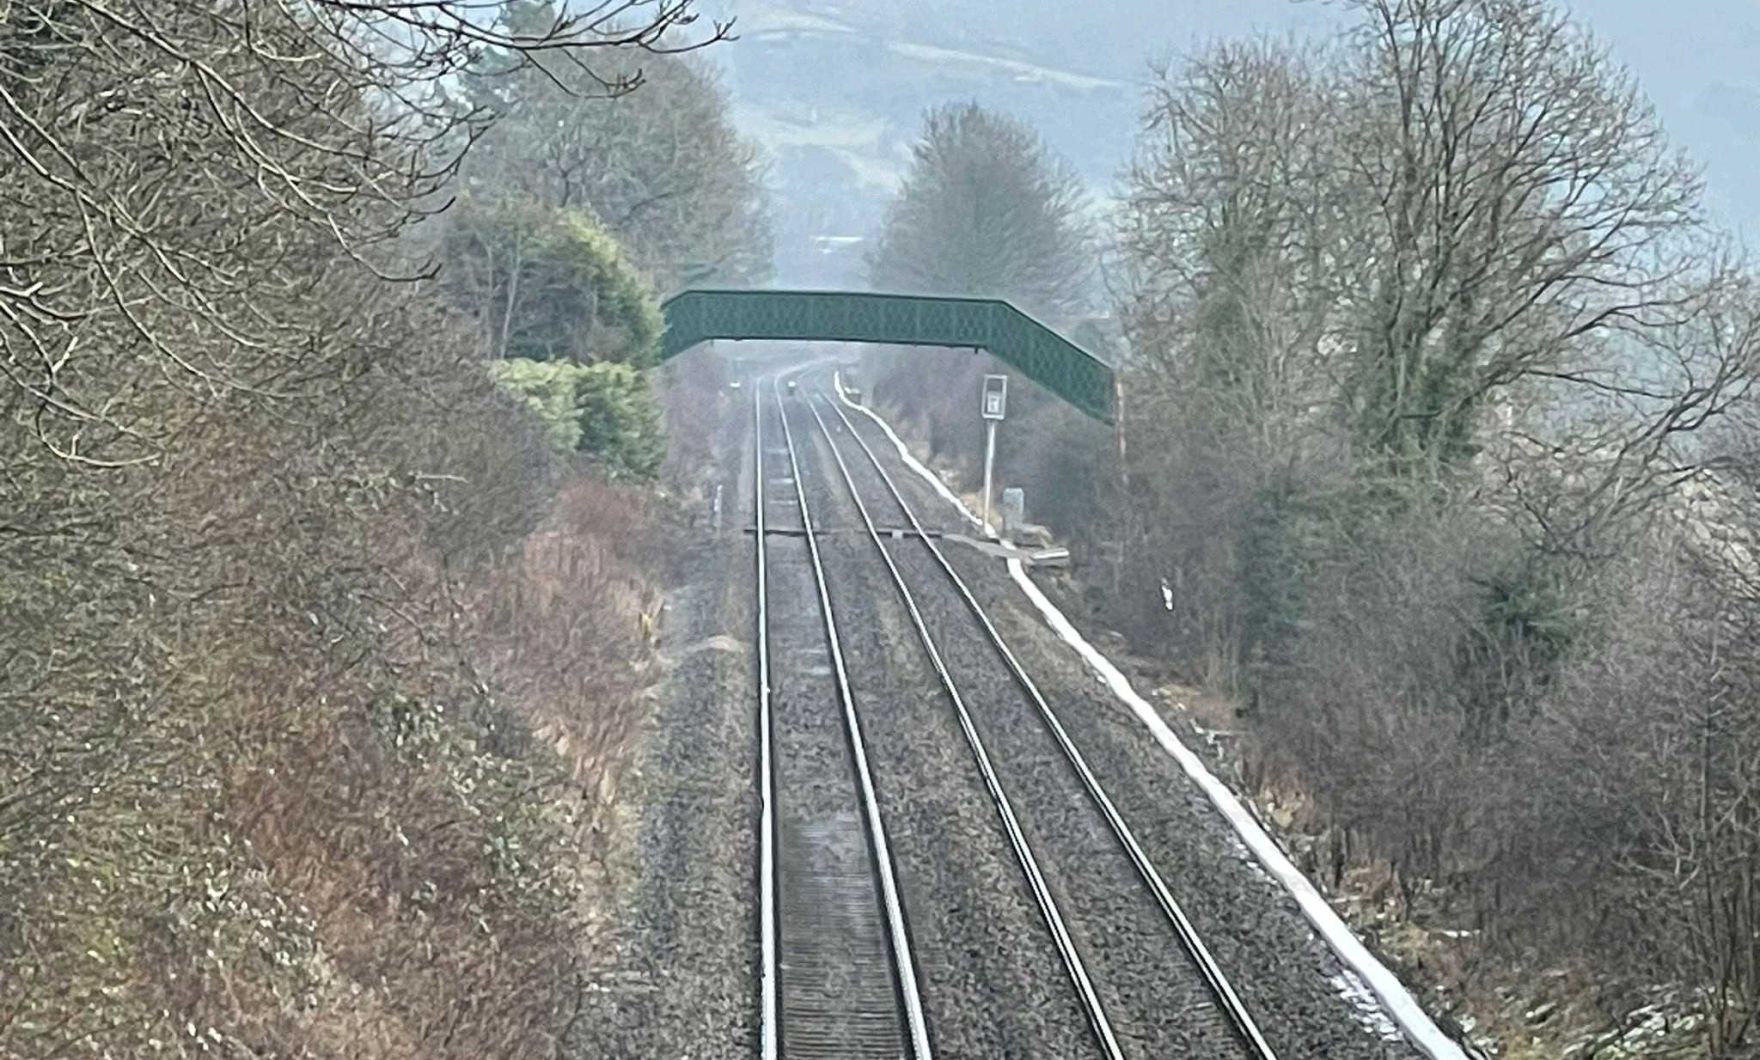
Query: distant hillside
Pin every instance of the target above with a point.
(835, 91)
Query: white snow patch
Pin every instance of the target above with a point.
(1020, 71)
(1368, 1007)
(863, 143)
(761, 22)
(1368, 975)
(765, 22)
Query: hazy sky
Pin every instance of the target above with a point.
(1699, 60)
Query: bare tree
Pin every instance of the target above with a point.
(1225, 234)
(1596, 455)
(662, 169)
(1520, 199)
(1223, 221)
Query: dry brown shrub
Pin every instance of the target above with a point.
(693, 395)
(568, 626)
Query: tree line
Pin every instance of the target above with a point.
(582, 204)
(1439, 462)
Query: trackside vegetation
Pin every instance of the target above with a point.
(323, 652)
(1438, 477)
(604, 411)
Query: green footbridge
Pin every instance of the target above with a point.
(990, 324)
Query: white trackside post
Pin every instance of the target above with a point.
(989, 462)
(994, 406)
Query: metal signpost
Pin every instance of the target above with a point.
(994, 407)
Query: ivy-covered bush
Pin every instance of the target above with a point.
(619, 420)
(605, 411)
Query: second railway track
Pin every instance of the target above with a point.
(1103, 900)
(838, 972)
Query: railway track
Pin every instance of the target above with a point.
(1211, 1019)
(1074, 966)
(838, 976)
(1227, 1002)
